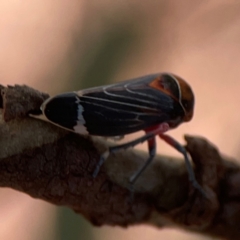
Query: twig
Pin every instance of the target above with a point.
(52, 164)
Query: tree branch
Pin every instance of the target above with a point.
(52, 164)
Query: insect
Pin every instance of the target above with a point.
(154, 103)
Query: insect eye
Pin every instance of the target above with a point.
(186, 105)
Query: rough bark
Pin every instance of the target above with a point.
(55, 165)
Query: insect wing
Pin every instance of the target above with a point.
(125, 107)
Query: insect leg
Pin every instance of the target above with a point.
(172, 142)
(102, 159)
(160, 129)
(152, 153)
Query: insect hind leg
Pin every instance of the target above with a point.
(113, 149)
(102, 159)
(149, 135)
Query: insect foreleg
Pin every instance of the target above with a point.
(172, 142)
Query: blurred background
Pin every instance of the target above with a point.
(62, 45)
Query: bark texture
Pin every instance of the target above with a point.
(55, 165)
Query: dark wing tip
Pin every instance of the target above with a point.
(62, 110)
